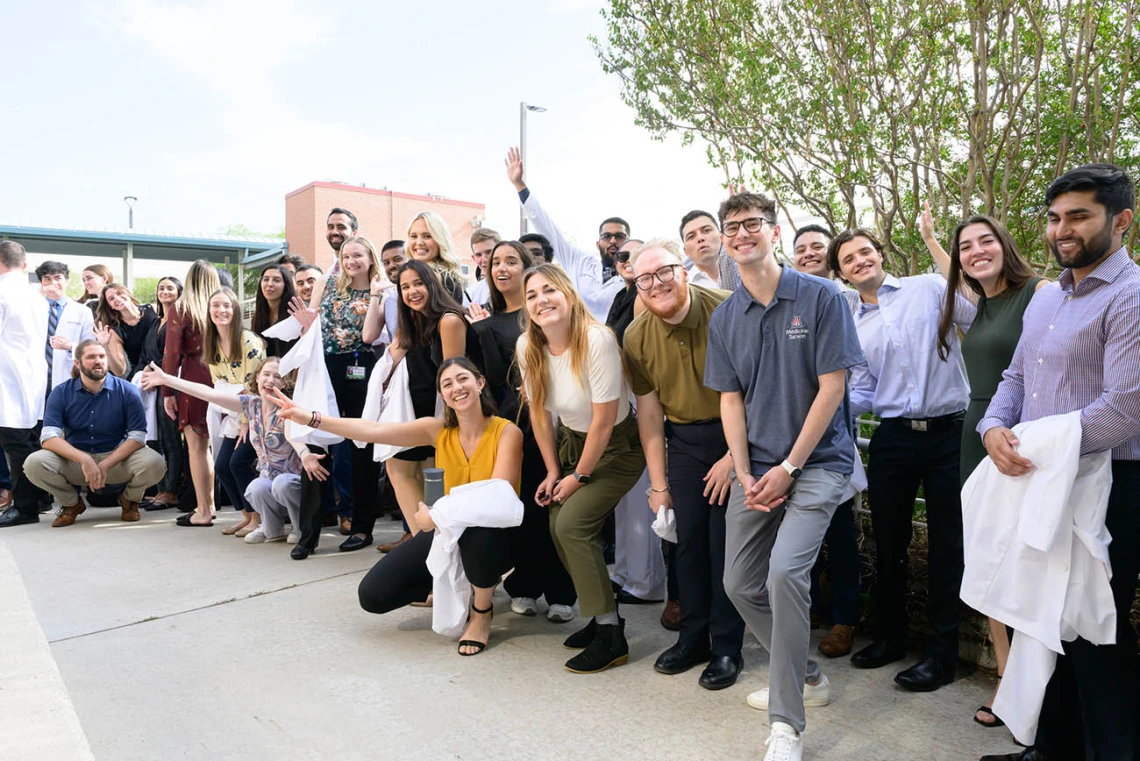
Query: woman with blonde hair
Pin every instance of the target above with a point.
(234, 354)
(185, 328)
(429, 241)
(572, 367)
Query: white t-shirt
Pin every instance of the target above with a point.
(604, 381)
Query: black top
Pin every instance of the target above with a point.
(153, 346)
(621, 311)
(135, 336)
(498, 335)
(423, 365)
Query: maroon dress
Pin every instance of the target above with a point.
(183, 358)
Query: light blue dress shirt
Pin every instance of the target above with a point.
(903, 375)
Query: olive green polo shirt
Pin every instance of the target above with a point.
(670, 359)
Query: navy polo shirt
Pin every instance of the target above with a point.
(95, 423)
(774, 355)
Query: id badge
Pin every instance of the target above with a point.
(355, 372)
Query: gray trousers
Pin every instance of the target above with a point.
(275, 499)
(59, 476)
(767, 575)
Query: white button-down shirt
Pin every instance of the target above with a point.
(903, 376)
(23, 333)
(75, 324)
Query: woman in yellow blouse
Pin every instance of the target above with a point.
(472, 444)
(233, 354)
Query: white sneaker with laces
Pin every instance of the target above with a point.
(293, 538)
(784, 743)
(560, 614)
(524, 606)
(815, 696)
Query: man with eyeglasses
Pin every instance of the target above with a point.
(778, 352)
(665, 353)
(587, 271)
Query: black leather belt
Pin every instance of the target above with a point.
(942, 422)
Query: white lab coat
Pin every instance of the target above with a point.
(23, 370)
(75, 324)
(490, 504)
(583, 267)
(1036, 558)
(313, 389)
(391, 405)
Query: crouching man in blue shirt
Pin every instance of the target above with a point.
(94, 433)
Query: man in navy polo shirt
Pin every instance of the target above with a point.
(778, 352)
(94, 433)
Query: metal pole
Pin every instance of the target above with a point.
(522, 155)
(131, 218)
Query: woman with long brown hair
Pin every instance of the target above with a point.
(121, 326)
(169, 443)
(572, 367)
(274, 293)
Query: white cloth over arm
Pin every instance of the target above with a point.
(1036, 558)
(391, 405)
(490, 504)
(583, 267)
(313, 389)
(149, 408)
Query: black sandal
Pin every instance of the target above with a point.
(997, 722)
(480, 646)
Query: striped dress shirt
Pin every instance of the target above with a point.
(1080, 350)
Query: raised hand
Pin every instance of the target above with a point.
(378, 285)
(475, 313)
(514, 166)
(287, 408)
(103, 334)
(302, 313)
(926, 222)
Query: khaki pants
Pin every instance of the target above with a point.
(59, 476)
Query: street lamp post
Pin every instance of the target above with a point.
(130, 201)
(523, 108)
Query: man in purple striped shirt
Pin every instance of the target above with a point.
(1080, 350)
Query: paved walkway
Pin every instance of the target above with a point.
(179, 643)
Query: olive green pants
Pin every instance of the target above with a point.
(575, 524)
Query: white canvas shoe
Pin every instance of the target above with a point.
(784, 744)
(293, 538)
(815, 696)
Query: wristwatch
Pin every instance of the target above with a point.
(582, 479)
(793, 471)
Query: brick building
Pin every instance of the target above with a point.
(382, 215)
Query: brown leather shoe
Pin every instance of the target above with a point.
(67, 515)
(671, 616)
(5, 499)
(393, 545)
(838, 641)
(345, 526)
(130, 509)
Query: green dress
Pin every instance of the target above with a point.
(987, 350)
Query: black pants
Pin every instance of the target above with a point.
(1091, 702)
(844, 569)
(902, 458)
(312, 498)
(538, 569)
(243, 471)
(350, 395)
(707, 614)
(18, 443)
(401, 577)
(224, 475)
(172, 447)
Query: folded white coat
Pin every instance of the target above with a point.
(391, 405)
(313, 389)
(1036, 558)
(665, 525)
(489, 504)
(149, 408)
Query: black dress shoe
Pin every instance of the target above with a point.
(608, 648)
(625, 598)
(721, 672)
(356, 542)
(582, 638)
(1029, 754)
(13, 517)
(679, 659)
(300, 553)
(876, 655)
(925, 676)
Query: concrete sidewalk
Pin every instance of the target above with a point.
(179, 643)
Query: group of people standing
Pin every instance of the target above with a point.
(711, 383)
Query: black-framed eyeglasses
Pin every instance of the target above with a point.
(622, 256)
(619, 237)
(752, 225)
(663, 275)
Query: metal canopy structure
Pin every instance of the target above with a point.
(131, 244)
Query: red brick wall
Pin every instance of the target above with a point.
(382, 215)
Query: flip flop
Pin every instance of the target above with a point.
(997, 722)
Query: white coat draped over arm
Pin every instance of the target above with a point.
(313, 389)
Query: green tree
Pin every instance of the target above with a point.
(144, 289)
(860, 112)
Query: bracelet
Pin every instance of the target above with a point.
(315, 420)
(651, 491)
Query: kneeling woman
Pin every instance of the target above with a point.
(471, 444)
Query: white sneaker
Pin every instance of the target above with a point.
(257, 536)
(784, 744)
(815, 696)
(524, 606)
(293, 538)
(560, 614)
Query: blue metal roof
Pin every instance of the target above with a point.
(145, 244)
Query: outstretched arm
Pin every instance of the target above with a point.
(421, 432)
(153, 377)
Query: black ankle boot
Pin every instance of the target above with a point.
(582, 638)
(608, 648)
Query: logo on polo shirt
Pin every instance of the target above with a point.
(797, 329)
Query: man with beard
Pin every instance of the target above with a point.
(94, 434)
(339, 227)
(921, 401)
(1080, 350)
(665, 353)
(392, 257)
(591, 274)
(778, 352)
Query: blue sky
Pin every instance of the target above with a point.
(211, 111)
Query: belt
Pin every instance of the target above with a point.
(941, 422)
